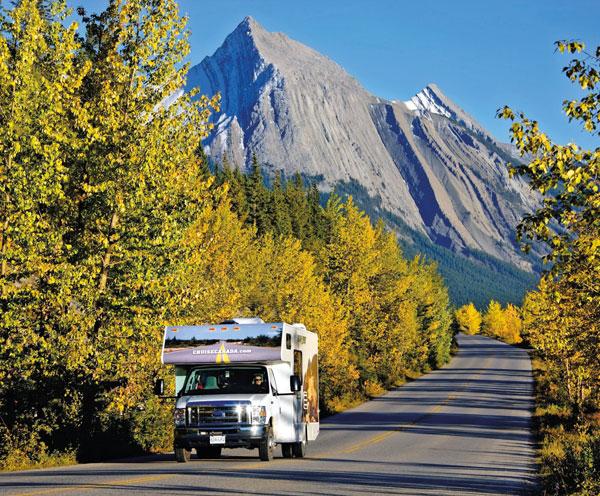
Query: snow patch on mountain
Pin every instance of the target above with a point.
(427, 101)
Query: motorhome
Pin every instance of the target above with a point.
(243, 383)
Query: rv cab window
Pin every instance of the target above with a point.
(227, 380)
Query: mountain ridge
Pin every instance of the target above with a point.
(424, 160)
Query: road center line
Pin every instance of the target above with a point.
(96, 485)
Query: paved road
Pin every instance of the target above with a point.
(464, 429)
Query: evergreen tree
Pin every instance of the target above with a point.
(317, 230)
(298, 206)
(257, 198)
(280, 217)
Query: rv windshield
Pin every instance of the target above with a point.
(226, 380)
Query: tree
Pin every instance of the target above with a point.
(502, 323)
(493, 319)
(568, 222)
(257, 198)
(285, 285)
(468, 319)
(397, 312)
(512, 325)
(298, 206)
(434, 316)
(109, 187)
(282, 224)
(553, 328)
(40, 82)
(569, 219)
(317, 223)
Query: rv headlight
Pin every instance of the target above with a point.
(257, 414)
(179, 416)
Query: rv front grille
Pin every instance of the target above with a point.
(201, 415)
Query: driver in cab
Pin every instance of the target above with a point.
(259, 384)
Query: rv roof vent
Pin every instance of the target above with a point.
(296, 324)
(244, 320)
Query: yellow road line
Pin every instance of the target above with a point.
(368, 442)
(96, 485)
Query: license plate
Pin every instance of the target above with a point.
(217, 439)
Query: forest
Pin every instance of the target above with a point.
(112, 226)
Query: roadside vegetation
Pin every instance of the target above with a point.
(113, 225)
(500, 323)
(561, 319)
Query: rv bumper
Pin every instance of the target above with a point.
(238, 437)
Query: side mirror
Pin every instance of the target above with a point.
(159, 387)
(295, 383)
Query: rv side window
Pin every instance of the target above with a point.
(288, 341)
(298, 364)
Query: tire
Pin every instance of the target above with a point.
(183, 455)
(265, 448)
(299, 449)
(210, 452)
(286, 450)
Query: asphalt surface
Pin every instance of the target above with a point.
(463, 429)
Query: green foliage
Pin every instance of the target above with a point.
(571, 463)
(287, 208)
(100, 185)
(397, 313)
(562, 316)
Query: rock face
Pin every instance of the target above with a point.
(425, 160)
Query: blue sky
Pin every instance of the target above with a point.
(482, 54)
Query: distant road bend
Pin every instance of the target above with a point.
(461, 430)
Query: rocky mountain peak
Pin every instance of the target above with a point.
(431, 100)
(248, 28)
(425, 161)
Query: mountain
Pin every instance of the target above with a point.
(425, 165)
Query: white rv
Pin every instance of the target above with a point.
(243, 384)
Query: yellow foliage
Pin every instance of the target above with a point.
(468, 319)
(503, 324)
(111, 228)
(373, 389)
(284, 286)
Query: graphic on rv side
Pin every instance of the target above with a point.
(230, 344)
(311, 386)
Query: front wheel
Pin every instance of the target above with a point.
(265, 448)
(183, 455)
